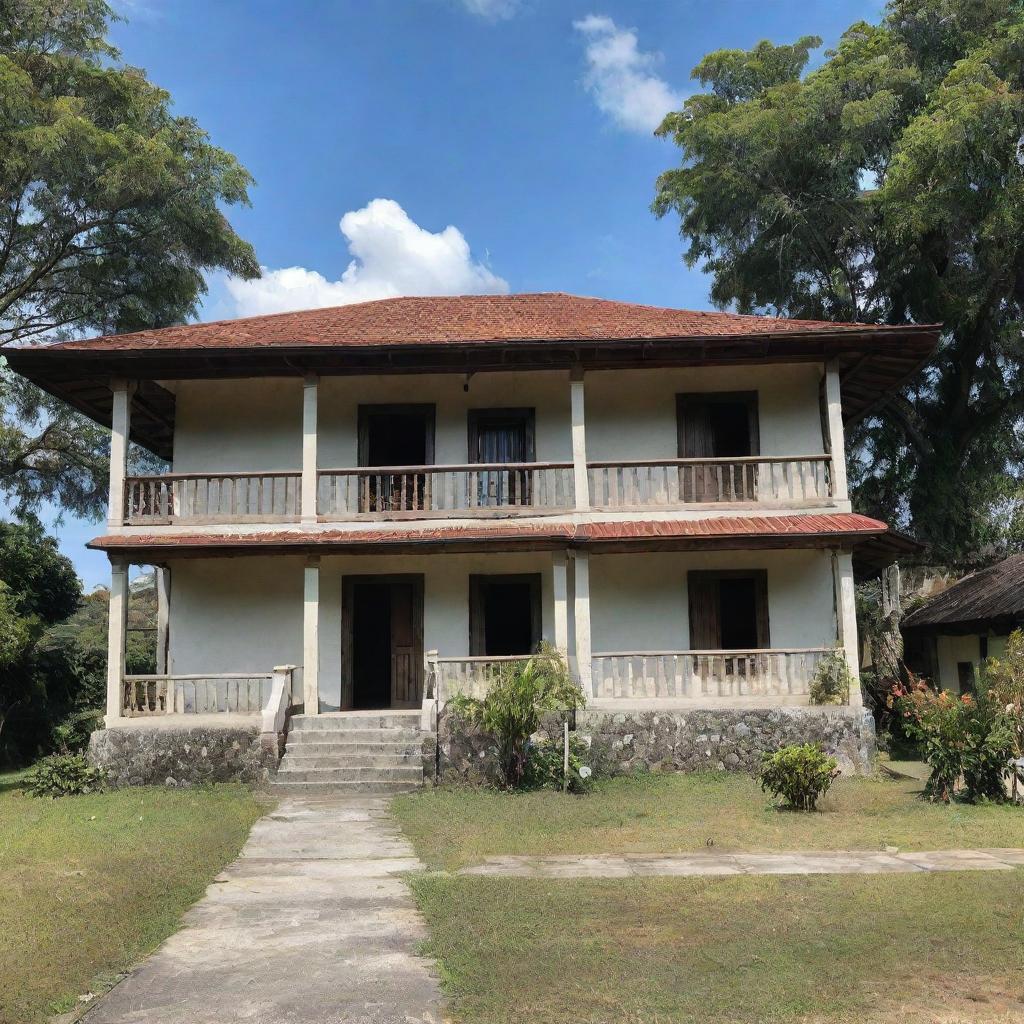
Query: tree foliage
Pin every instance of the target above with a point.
(110, 212)
(885, 186)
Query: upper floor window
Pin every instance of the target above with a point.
(718, 425)
(502, 436)
(395, 436)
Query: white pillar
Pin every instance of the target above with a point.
(120, 424)
(837, 441)
(311, 637)
(560, 592)
(163, 622)
(846, 619)
(310, 387)
(581, 613)
(116, 627)
(579, 440)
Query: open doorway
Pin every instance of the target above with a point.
(392, 436)
(382, 641)
(718, 425)
(504, 614)
(728, 610)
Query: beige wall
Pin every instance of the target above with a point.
(242, 425)
(639, 602)
(953, 649)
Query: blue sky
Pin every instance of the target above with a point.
(509, 142)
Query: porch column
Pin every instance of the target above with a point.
(311, 637)
(310, 387)
(116, 628)
(560, 592)
(163, 622)
(836, 438)
(846, 619)
(581, 611)
(581, 484)
(120, 424)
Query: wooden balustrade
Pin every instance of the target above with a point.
(471, 489)
(696, 675)
(473, 676)
(241, 693)
(784, 480)
(212, 497)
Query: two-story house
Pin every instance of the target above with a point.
(385, 501)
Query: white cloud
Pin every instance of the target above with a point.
(391, 255)
(493, 10)
(620, 76)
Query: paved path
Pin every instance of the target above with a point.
(309, 925)
(830, 862)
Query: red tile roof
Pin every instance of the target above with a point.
(462, 319)
(725, 528)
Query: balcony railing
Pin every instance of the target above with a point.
(706, 675)
(782, 480)
(471, 676)
(478, 489)
(471, 489)
(233, 693)
(212, 497)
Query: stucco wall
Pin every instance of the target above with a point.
(953, 649)
(639, 602)
(256, 424)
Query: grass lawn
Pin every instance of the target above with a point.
(93, 883)
(881, 948)
(671, 813)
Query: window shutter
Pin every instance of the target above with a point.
(705, 627)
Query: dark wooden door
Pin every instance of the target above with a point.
(406, 648)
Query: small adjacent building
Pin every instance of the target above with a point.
(948, 638)
(371, 507)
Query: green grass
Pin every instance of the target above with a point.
(93, 883)
(881, 948)
(676, 813)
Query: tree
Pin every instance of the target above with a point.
(110, 211)
(887, 185)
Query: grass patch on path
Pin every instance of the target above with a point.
(94, 883)
(913, 948)
(455, 827)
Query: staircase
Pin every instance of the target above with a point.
(353, 752)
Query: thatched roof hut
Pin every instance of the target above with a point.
(988, 601)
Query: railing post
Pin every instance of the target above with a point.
(581, 483)
(116, 628)
(837, 442)
(120, 426)
(310, 388)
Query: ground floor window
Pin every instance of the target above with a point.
(728, 610)
(504, 614)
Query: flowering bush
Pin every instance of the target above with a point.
(962, 737)
(1004, 680)
(800, 774)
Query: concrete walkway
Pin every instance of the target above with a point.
(829, 862)
(309, 925)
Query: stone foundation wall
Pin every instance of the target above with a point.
(181, 756)
(691, 739)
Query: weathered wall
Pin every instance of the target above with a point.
(698, 739)
(953, 649)
(162, 756)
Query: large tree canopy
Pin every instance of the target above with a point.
(110, 211)
(887, 185)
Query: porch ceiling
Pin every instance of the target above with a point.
(736, 532)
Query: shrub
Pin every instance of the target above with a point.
(800, 774)
(965, 737)
(72, 734)
(545, 765)
(64, 775)
(1003, 680)
(832, 680)
(511, 711)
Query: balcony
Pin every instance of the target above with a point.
(479, 490)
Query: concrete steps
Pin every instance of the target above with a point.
(353, 752)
